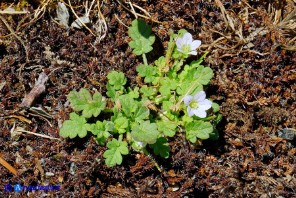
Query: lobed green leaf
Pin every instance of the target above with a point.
(111, 92)
(148, 72)
(142, 39)
(101, 129)
(161, 147)
(167, 85)
(75, 126)
(116, 149)
(128, 104)
(147, 91)
(134, 93)
(141, 112)
(167, 127)
(116, 79)
(121, 124)
(83, 101)
(215, 107)
(145, 132)
(198, 129)
(193, 79)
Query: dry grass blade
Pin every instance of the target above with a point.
(37, 134)
(41, 9)
(78, 18)
(11, 12)
(290, 48)
(118, 19)
(132, 10)
(7, 165)
(231, 22)
(21, 118)
(288, 24)
(16, 36)
(101, 25)
(142, 9)
(276, 10)
(287, 28)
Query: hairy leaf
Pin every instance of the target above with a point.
(101, 129)
(167, 127)
(166, 105)
(116, 149)
(161, 64)
(167, 85)
(203, 74)
(198, 129)
(142, 39)
(148, 72)
(116, 79)
(83, 101)
(215, 107)
(111, 92)
(75, 126)
(128, 105)
(141, 112)
(192, 79)
(147, 91)
(134, 93)
(121, 124)
(145, 132)
(161, 147)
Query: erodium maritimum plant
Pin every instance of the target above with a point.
(171, 99)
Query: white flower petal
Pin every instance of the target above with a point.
(180, 50)
(199, 112)
(187, 39)
(205, 104)
(193, 53)
(179, 43)
(141, 144)
(187, 99)
(190, 112)
(200, 96)
(195, 44)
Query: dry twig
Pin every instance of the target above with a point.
(38, 89)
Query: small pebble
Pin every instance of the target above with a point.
(49, 174)
(287, 133)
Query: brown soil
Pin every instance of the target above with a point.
(252, 52)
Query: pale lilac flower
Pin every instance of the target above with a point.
(198, 104)
(187, 45)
